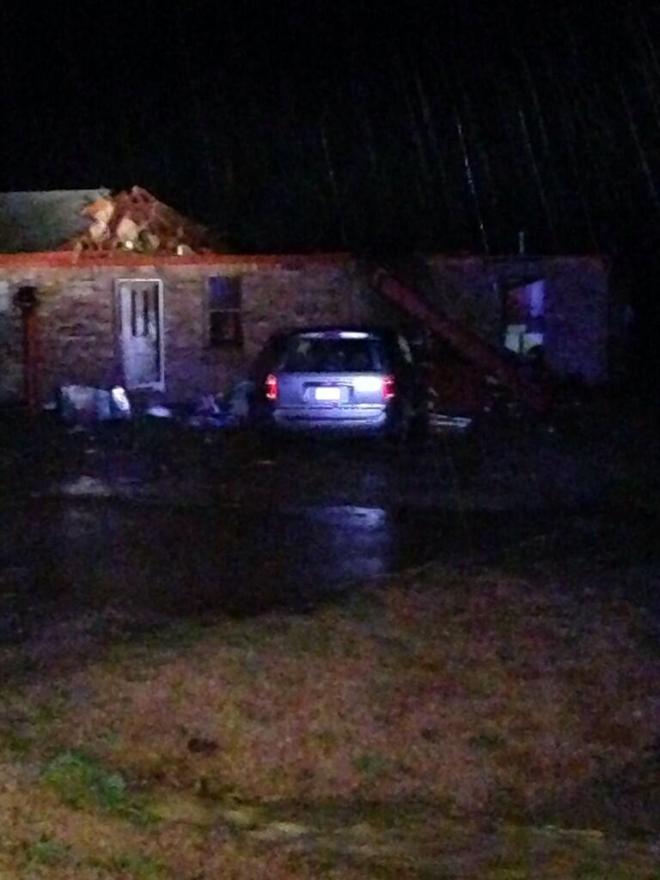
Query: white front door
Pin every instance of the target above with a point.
(141, 332)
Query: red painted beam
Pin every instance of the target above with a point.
(479, 352)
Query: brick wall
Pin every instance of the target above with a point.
(78, 320)
(75, 330)
(79, 324)
(272, 299)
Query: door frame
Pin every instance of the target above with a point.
(159, 385)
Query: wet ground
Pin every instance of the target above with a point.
(175, 525)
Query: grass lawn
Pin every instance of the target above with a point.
(453, 725)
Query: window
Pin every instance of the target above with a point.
(523, 317)
(225, 327)
(314, 354)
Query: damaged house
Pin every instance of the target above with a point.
(99, 288)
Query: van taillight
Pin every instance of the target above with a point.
(271, 387)
(389, 388)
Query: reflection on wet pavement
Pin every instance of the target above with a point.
(79, 555)
(244, 538)
(88, 555)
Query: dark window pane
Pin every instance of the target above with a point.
(134, 313)
(225, 328)
(224, 292)
(224, 311)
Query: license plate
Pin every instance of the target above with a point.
(328, 393)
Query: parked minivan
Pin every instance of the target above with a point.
(353, 379)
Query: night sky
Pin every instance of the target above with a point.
(317, 125)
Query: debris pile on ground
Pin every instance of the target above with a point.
(82, 406)
(209, 413)
(85, 405)
(223, 411)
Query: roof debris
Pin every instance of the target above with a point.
(134, 220)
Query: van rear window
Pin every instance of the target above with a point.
(307, 354)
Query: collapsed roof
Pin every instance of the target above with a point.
(96, 222)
